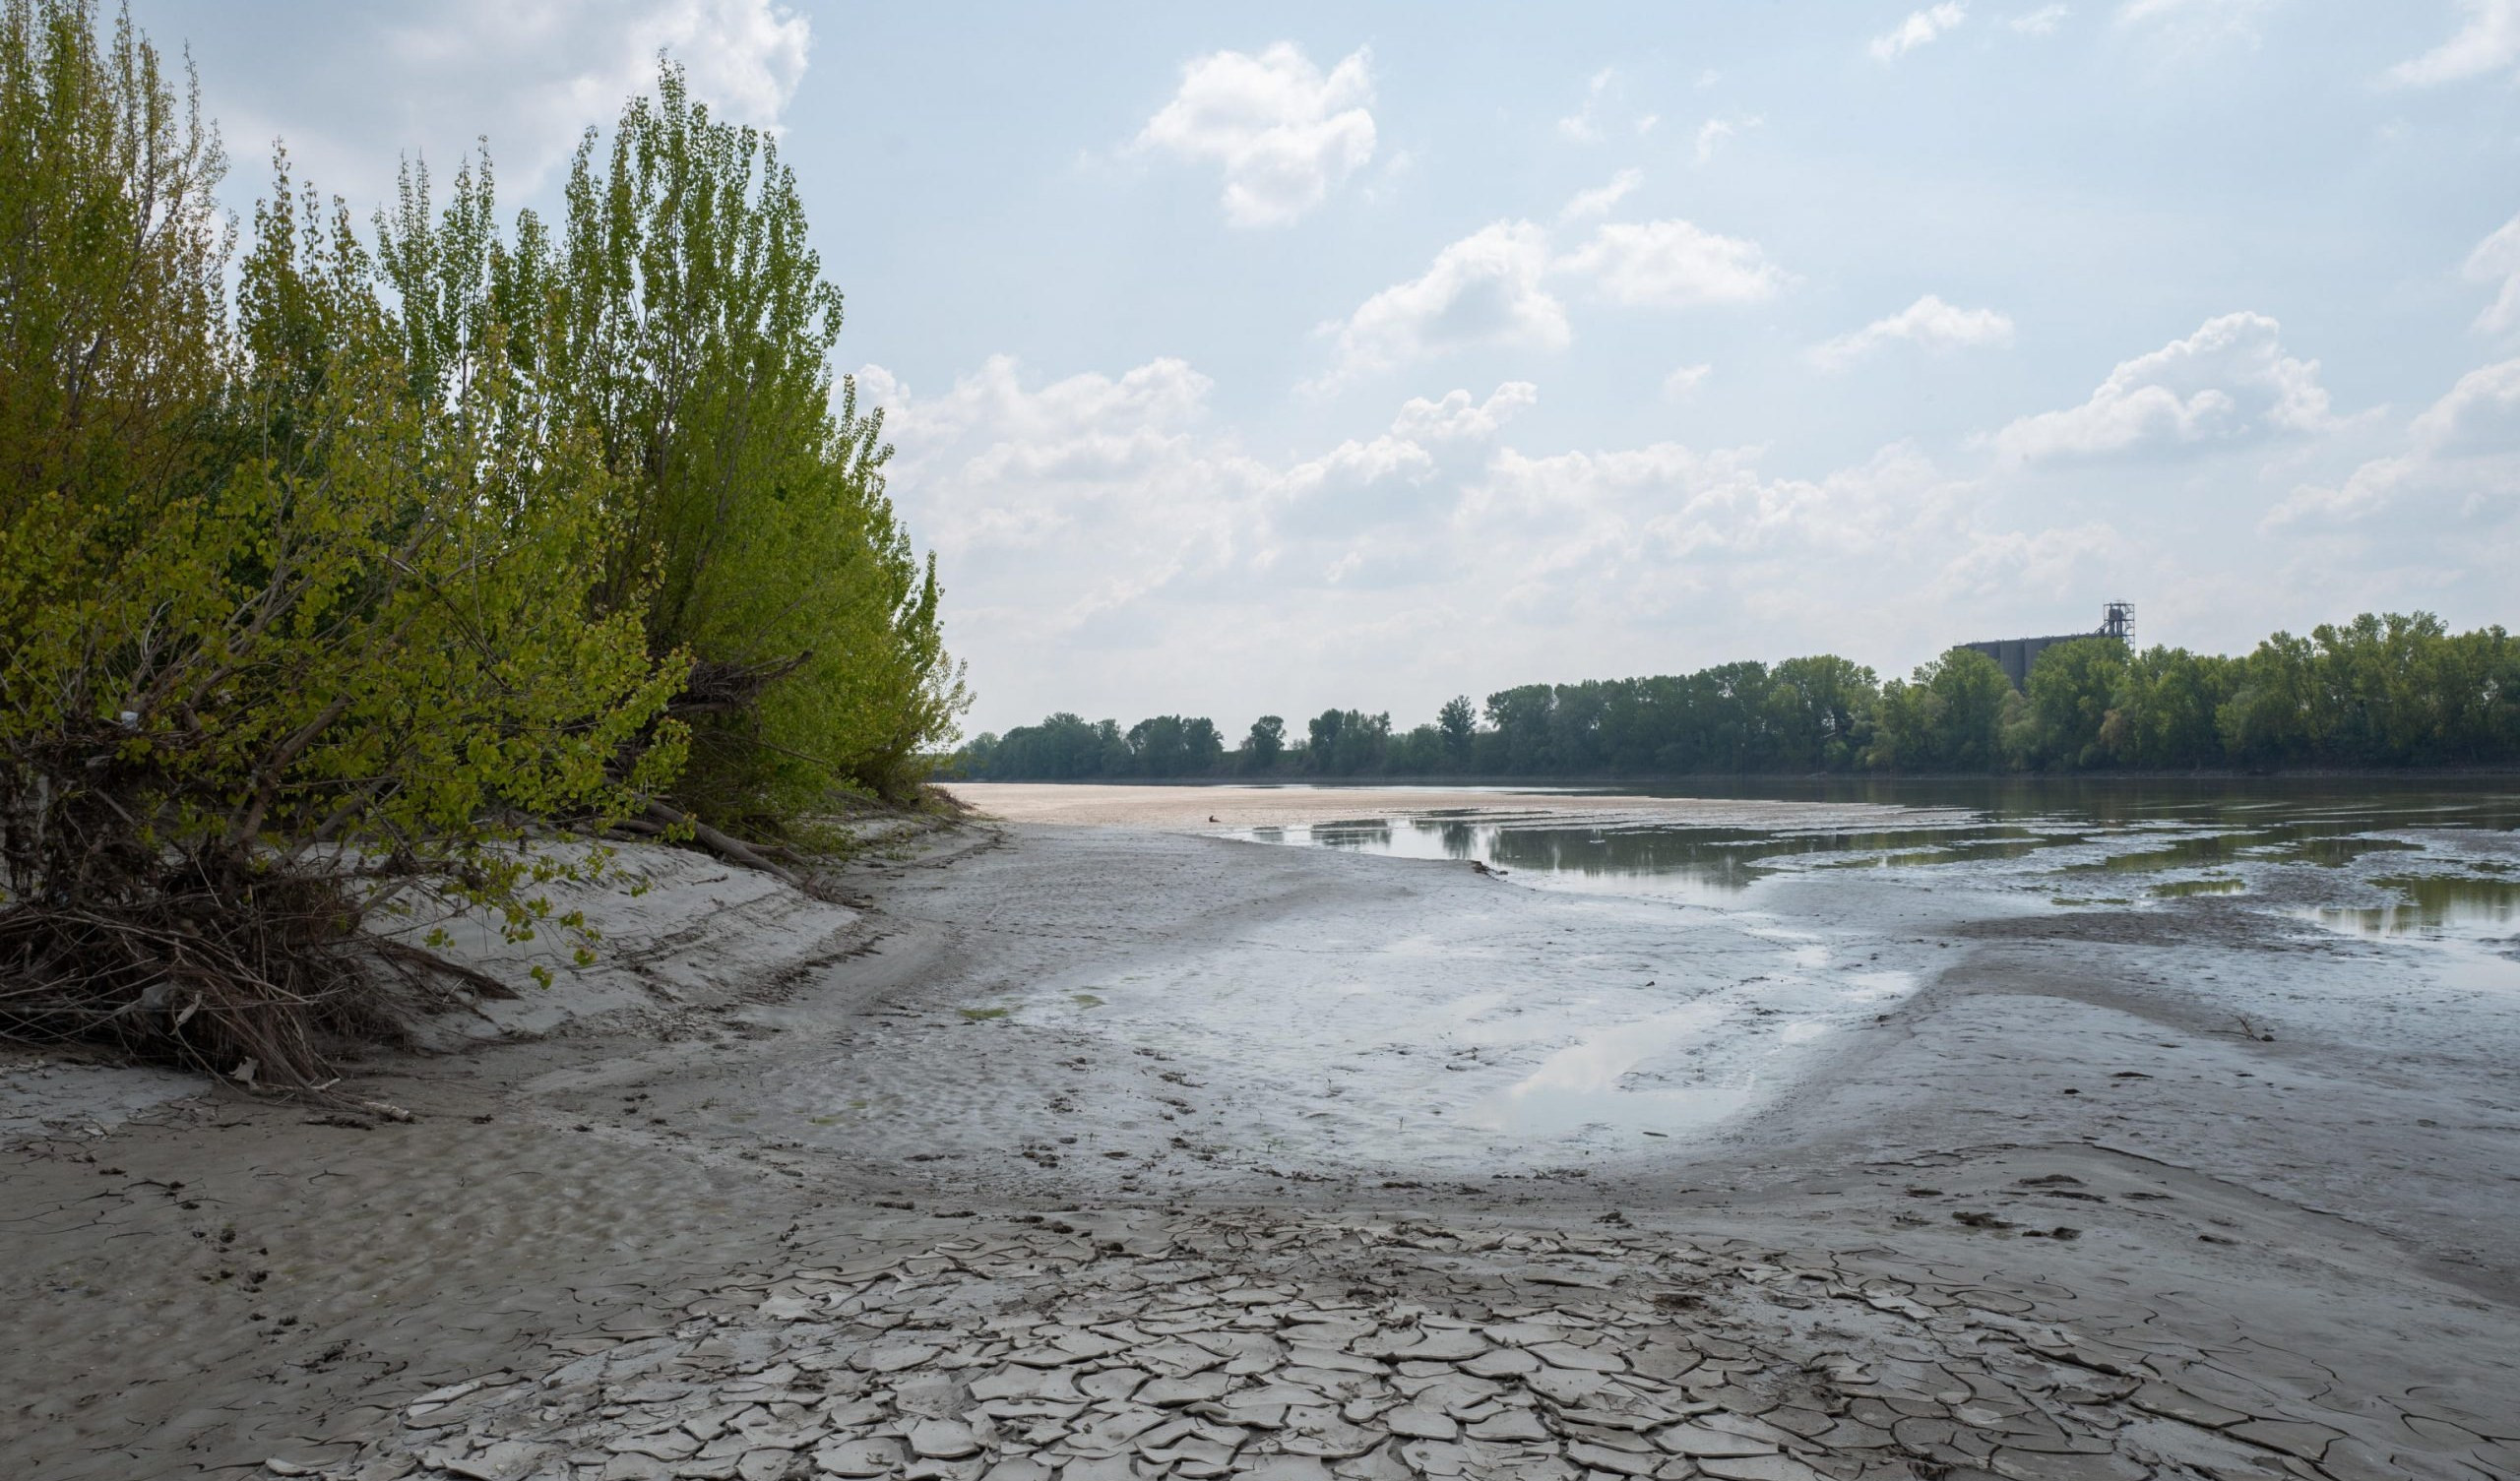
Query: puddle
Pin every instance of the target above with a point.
(2435, 904)
(1655, 856)
(2211, 885)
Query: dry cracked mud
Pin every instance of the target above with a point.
(1024, 1167)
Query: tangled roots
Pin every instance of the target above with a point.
(240, 968)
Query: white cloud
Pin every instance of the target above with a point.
(2462, 456)
(2490, 41)
(1454, 417)
(1712, 134)
(1491, 288)
(1995, 563)
(1486, 289)
(1600, 198)
(2496, 260)
(1920, 28)
(1673, 263)
(743, 57)
(2183, 26)
(1110, 549)
(2230, 381)
(529, 75)
(1017, 445)
(1605, 112)
(1928, 321)
(1284, 132)
(2480, 415)
(1682, 384)
(2041, 22)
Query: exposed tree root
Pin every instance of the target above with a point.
(252, 971)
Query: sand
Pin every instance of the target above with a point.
(789, 1189)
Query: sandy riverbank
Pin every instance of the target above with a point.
(1105, 1097)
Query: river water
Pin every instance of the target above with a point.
(1778, 936)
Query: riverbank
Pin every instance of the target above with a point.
(2034, 1207)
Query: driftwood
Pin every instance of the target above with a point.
(243, 967)
(723, 844)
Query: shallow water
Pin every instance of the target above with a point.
(2162, 839)
(1770, 938)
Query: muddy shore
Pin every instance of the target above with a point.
(943, 1184)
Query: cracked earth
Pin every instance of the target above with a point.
(1080, 1153)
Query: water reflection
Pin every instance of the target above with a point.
(2433, 903)
(2218, 884)
(2218, 830)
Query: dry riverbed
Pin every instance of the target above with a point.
(1099, 1143)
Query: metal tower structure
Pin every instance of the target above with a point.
(2117, 620)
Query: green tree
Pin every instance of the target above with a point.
(1264, 745)
(1815, 709)
(286, 646)
(1458, 722)
(2073, 688)
(682, 318)
(1947, 716)
(2167, 709)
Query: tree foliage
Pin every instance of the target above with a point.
(318, 606)
(2389, 691)
(680, 315)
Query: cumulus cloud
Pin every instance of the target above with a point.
(2231, 381)
(2041, 22)
(2463, 450)
(431, 77)
(1284, 132)
(1487, 288)
(1921, 27)
(1455, 418)
(1673, 263)
(1645, 532)
(1597, 201)
(1492, 288)
(1013, 442)
(1996, 562)
(2488, 41)
(2495, 262)
(1110, 548)
(1928, 322)
(1605, 112)
(743, 57)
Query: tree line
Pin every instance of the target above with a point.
(332, 572)
(2377, 691)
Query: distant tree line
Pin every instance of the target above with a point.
(2379, 691)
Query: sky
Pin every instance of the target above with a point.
(1245, 359)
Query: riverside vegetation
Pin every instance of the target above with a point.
(2377, 691)
(438, 544)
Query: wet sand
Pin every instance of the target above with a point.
(1068, 1149)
